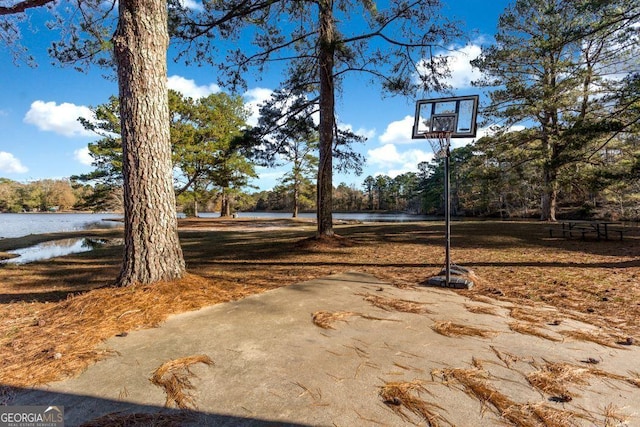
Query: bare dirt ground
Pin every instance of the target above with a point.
(54, 313)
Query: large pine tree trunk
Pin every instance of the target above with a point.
(296, 197)
(225, 205)
(151, 250)
(550, 195)
(327, 118)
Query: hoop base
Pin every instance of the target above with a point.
(454, 282)
(459, 278)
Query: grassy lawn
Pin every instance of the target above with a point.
(55, 313)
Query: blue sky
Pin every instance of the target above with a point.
(41, 137)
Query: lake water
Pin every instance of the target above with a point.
(52, 249)
(18, 225)
(22, 224)
(346, 216)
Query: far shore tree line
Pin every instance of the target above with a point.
(563, 82)
(486, 182)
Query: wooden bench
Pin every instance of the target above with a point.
(566, 233)
(557, 229)
(583, 231)
(620, 231)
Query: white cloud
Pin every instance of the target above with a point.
(462, 73)
(367, 133)
(493, 129)
(191, 4)
(269, 177)
(398, 132)
(395, 162)
(10, 164)
(388, 153)
(459, 62)
(82, 155)
(253, 99)
(271, 173)
(482, 132)
(189, 88)
(61, 119)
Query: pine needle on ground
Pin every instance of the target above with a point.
(389, 304)
(531, 329)
(450, 329)
(532, 315)
(554, 378)
(325, 319)
(76, 326)
(475, 383)
(508, 358)
(406, 395)
(175, 376)
(481, 309)
(613, 417)
(549, 416)
(596, 337)
(579, 374)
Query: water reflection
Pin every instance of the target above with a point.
(345, 216)
(54, 248)
(22, 224)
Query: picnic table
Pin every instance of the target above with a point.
(599, 228)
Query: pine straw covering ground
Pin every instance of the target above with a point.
(54, 314)
(474, 382)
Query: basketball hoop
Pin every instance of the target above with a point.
(437, 121)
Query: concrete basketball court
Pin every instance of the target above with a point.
(274, 366)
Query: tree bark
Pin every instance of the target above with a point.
(225, 204)
(296, 196)
(327, 120)
(550, 195)
(152, 249)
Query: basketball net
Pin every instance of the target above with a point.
(440, 143)
(440, 136)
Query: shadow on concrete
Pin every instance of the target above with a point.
(104, 412)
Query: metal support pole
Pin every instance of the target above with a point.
(447, 218)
